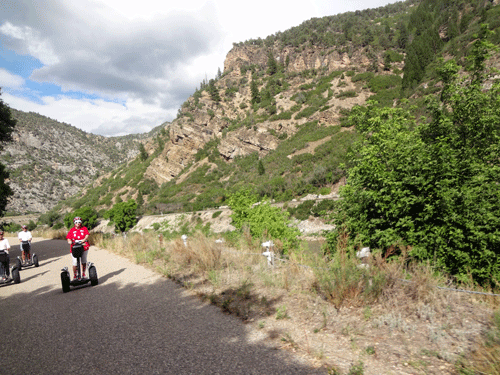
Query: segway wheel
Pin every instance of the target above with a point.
(65, 282)
(35, 260)
(19, 263)
(93, 276)
(16, 276)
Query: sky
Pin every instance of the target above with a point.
(113, 67)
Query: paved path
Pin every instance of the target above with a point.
(133, 322)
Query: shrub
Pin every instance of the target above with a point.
(123, 215)
(87, 214)
(262, 220)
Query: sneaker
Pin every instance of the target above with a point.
(83, 276)
(4, 278)
(75, 277)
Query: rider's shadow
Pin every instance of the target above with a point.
(103, 279)
(34, 276)
(44, 263)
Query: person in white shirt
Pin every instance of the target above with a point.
(25, 239)
(4, 255)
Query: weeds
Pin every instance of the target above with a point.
(281, 313)
(486, 358)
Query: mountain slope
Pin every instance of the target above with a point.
(275, 120)
(49, 161)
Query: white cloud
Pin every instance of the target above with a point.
(142, 59)
(29, 43)
(96, 116)
(10, 80)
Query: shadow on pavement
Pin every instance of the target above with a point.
(131, 328)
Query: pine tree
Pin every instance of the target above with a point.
(262, 170)
(213, 91)
(254, 89)
(272, 65)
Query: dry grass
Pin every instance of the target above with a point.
(49, 233)
(380, 317)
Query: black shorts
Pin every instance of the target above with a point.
(26, 247)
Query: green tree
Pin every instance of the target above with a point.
(254, 90)
(213, 91)
(49, 218)
(272, 65)
(261, 168)
(7, 124)
(123, 214)
(262, 220)
(433, 187)
(143, 155)
(86, 213)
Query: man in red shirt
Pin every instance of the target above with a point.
(79, 233)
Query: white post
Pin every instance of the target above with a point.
(269, 253)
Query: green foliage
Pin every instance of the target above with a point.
(254, 90)
(5, 190)
(7, 124)
(11, 227)
(262, 220)
(306, 112)
(366, 76)
(49, 218)
(262, 170)
(213, 91)
(302, 211)
(384, 82)
(143, 155)
(31, 225)
(435, 187)
(346, 94)
(272, 64)
(123, 215)
(87, 214)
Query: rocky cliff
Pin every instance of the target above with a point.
(49, 161)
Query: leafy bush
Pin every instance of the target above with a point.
(346, 94)
(306, 112)
(123, 215)
(384, 82)
(302, 211)
(12, 227)
(49, 218)
(433, 187)
(366, 76)
(87, 214)
(262, 220)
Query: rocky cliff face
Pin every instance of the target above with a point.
(314, 57)
(205, 119)
(49, 161)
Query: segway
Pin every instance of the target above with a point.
(14, 272)
(31, 260)
(67, 283)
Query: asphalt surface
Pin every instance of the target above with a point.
(133, 322)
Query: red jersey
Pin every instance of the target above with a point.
(78, 234)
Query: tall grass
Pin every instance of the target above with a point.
(341, 279)
(486, 358)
